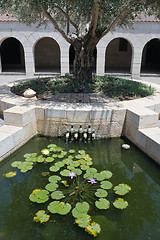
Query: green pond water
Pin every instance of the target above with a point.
(139, 221)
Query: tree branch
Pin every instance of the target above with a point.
(51, 19)
(122, 13)
(67, 16)
(94, 20)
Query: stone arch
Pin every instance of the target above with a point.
(12, 55)
(47, 55)
(72, 56)
(151, 57)
(118, 56)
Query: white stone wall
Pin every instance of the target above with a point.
(30, 35)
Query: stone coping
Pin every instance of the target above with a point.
(10, 99)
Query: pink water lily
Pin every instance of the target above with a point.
(92, 180)
(72, 175)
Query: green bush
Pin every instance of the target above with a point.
(113, 87)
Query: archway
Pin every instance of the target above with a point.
(151, 57)
(47, 55)
(72, 56)
(12, 55)
(118, 56)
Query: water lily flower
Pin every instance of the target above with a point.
(92, 180)
(72, 175)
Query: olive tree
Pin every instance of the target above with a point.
(82, 23)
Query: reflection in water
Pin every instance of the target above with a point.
(139, 221)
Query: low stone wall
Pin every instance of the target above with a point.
(54, 120)
(138, 120)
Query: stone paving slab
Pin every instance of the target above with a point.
(81, 98)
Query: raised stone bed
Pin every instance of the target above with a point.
(113, 119)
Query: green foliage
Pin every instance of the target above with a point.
(102, 203)
(84, 221)
(39, 196)
(57, 195)
(106, 185)
(10, 174)
(41, 216)
(93, 229)
(101, 193)
(122, 189)
(59, 207)
(73, 179)
(117, 88)
(120, 203)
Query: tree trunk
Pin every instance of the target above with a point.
(83, 65)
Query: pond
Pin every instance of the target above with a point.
(140, 220)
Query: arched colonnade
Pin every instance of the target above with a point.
(52, 54)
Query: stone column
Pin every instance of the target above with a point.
(0, 64)
(64, 60)
(29, 61)
(136, 62)
(100, 66)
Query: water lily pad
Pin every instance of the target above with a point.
(107, 174)
(52, 207)
(82, 207)
(91, 170)
(70, 167)
(40, 159)
(84, 221)
(88, 175)
(54, 178)
(41, 216)
(10, 174)
(120, 203)
(70, 157)
(106, 185)
(59, 207)
(67, 161)
(101, 193)
(122, 189)
(77, 214)
(65, 173)
(51, 186)
(84, 167)
(81, 152)
(93, 229)
(103, 175)
(99, 176)
(16, 164)
(39, 196)
(54, 168)
(54, 155)
(60, 156)
(102, 203)
(52, 146)
(71, 151)
(77, 171)
(59, 164)
(74, 164)
(49, 159)
(78, 156)
(45, 152)
(57, 195)
(30, 155)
